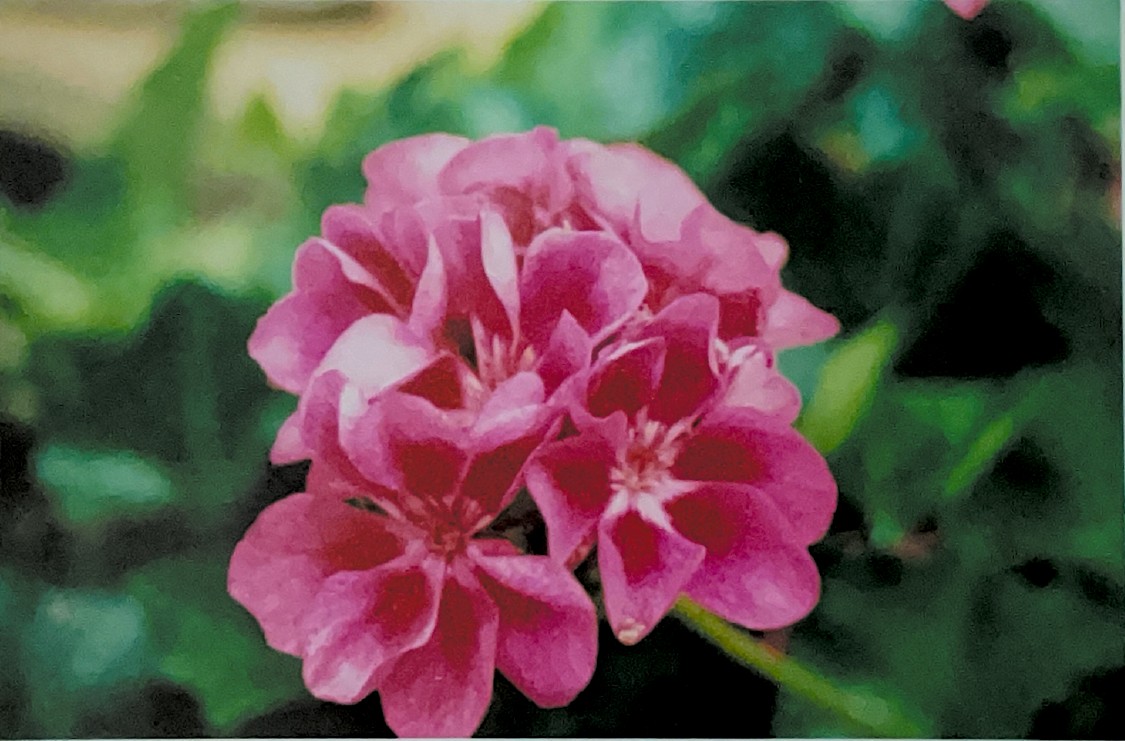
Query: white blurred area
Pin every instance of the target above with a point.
(67, 65)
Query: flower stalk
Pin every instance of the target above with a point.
(870, 715)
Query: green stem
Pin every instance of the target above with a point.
(872, 715)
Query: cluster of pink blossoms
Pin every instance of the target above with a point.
(523, 311)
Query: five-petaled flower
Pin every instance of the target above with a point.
(685, 491)
(396, 594)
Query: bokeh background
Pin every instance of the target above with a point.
(951, 190)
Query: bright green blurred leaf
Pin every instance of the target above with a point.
(80, 649)
(848, 381)
(207, 642)
(95, 485)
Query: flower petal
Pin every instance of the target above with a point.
(754, 574)
(644, 567)
(331, 474)
(566, 354)
(521, 174)
(689, 326)
(353, 229)
(293, 547)
(756, 383)
(569, 481)
(297, 331)
(376, 352)
(360, 621)
(548, 638)
(408, 445)
(513, 423)
(406, 170)
(288, 447)
(627, 379)
(619, 181)
(443, 688)
(745, 446)
(590, 274)
(498, 258)
(431, 298)
(791, 320)
(967, 9)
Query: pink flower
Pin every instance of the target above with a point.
(967, 9)
(396, 595)
(684, 491)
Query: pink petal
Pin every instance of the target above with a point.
(627, 379)
(441, 382)
(756, 383)
(548, 638)
(361, 621)
(498, 258)
(376, 352)
(791, 321)
(522, 175)
(619, 181)
(406, 170)
(689, 327)
(754, 574)
(288, 447)
(569, 481)
(469, 290)
(644, 567)
(408, 445)
(744, 446)
(431, 304)
(444, 687)
(331, 474)
(291, 549)
(294, 335)
(967, 9)
(590, 274)
(353, 229)
(773, 249)
(567, 353)
(508, 402)
(512, 424)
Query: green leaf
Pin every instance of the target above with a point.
(181, 392)
(848, 381)
(80, 650)
(1029, 648)
(1062, 500)
(205, 641)
(91, 486)
(158, 139)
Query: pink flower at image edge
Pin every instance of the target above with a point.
(967, 9)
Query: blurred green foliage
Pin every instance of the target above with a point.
(950, 190)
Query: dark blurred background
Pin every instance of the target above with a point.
(951, 190)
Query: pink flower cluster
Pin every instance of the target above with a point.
(523, 311)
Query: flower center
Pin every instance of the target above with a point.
(450, 526)
(498, 360)
(649, 452)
